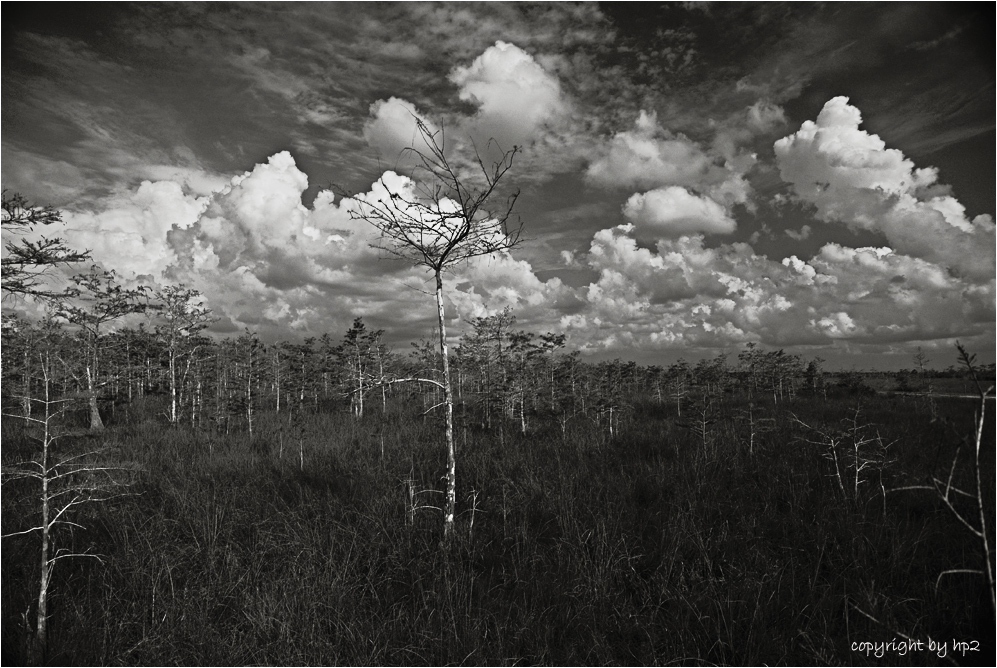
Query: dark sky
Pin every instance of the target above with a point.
(816, 177)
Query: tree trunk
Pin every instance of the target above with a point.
(26, 397)
(301, 398)
(276, 374)
(522, 411)
(384, 395)
(38, 643)
(96, 424)
(173, 385)
(359, 386)
(451, 499)
(249, 399)
(195, 404)
(128, 369)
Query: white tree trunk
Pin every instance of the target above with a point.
(173, 385)
(40, 640)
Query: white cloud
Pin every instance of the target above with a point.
(130, 234)
(649, 156)
(744, 125)
(515, 96)
(517, 101)
(674, 211)
(485, 285)
(684, 294)
(264, 260)
(830, 155)
(838, 325)
(851, 177)
(392, 128)
(689, 190)
(266, 203)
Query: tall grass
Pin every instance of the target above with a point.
(655, 547)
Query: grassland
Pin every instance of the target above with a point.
(724, 536)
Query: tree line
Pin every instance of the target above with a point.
(503, 378)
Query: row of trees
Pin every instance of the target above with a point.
(502, 378)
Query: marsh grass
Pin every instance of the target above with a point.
(658, 546)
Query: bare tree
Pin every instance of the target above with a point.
(442, 221)
(25, 261)
(185, 317)
(65, 481)
(950, 494)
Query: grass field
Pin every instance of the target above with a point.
(726, 536)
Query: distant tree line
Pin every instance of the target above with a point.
(504, 379)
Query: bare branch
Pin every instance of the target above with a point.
(441, 220)
(394, 381)
(18, 533)
(962, 520)
(955, 571)
(433, 408)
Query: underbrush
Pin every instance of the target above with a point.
(728, 540)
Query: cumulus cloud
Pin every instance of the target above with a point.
(832, 154)
(850, 176)
(744, 125)
(673, 211)
(253, 249)
(485, 285)
(392, 127)
(685, 188)
(892, 296)
(131, 232)
(265, 260)
(649, 156)
(265, 204)
(514, 95)
(513, 100)
(682, 293)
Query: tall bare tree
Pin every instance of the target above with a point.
(445, 220)
(66, 479)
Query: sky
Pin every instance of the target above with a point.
(818, 178)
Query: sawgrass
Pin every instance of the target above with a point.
(668, 544)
